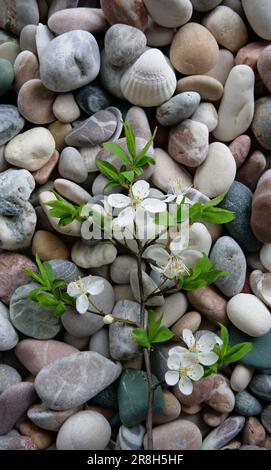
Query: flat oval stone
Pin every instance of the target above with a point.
(72, 166)
(71, 191)
(226, 255)
(174, 308)
(209, 88)
(178, 108)
(65, 270)
(75, 379)
(88, 256)
(247, 405)
(240, 377)
(50, 420)
(251, 171)
(12, 274)
(123, 44)
(131, 12)
(206, 114)
(11, 122)
(221, 397)
(220, 436)
(260, 356)
(26, 67)
(188, 143)
(121, 342)
(76, 50)
(35, 102)
(48, 246)
(260, 386)
(249, 314)
(30, 318)
(92, 98)
(14, 401)
(133, 397)
(210, 303)
(85, 430)
(239, 201)
(87, 19)
(261, 124)
(65, 108)
(35, 354)
(258, 15)
(180, 434)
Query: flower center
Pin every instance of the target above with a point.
(136, 201)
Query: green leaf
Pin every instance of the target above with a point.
(154, 323)
(58, 283)
(108, 170)
(141, 337)
(202, 274)
(33, 294)
(59, 309)
(34, 275)
(116, 149)
(138, 171)
(217, 200)
(165, 219)
(129, 175)
(145, 149)
(215, 215)
(235, 353)
(67, 298)
(162, 335)
(145, 160)
(42, 271)
(195, 212)
(47, 300)
(49, 271)
(130, 139)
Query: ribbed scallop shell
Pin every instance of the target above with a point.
(260, 284)
(150, 81)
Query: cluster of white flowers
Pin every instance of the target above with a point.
(186, 364)
(82, 290)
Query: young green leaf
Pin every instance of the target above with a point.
(108, 170)
(146, 148)
(116, 149)
(34, 275)
(59, 309)
(162, 335)
(217, 200)
(141, 337)
(130, 139)
(154, 323)
(215, 215)
(47, 300)
(129, 175)
(49, 272)
(202, 274)
(235, 353)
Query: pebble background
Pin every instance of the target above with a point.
(70, 70)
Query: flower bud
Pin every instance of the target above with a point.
(108, 319)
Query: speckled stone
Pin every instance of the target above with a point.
(87, 19)
(124, 44)
(260, 386)
(202, 390)
(261, 124)
(222, 435)
(247, 405)
(11, 122)
(50, 420)
(14, 401)
(177, 435)
(92, 98)
(121, 342)
(15, 14)
(26, 67)
(221, 396)
(131, 12)
(12, 274)
(8, 377)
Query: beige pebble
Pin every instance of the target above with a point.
(40, 437)
(213, 418)
(221, 398)
(42, 175)
(59, 130)
(190, 320)
(167, 170)
(48, 246)
(72, 191)
(65, 108)
(35, 102)
(206, 114)
(192, 409)
(210, 303)
(26, 67)
(73, 229)
(209, 88)
(241, 376)
(223, 67)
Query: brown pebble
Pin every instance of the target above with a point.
(201, 392)
(35, 102)
(59, 130)
(171, 411)
(177, 435)
(26, 67)
(212, 417)
(240, 148)
(250, 172)
(221, 398)
(132, 12)
(209, 88)
(190, 320)
(210, 303)
(192, 409)
(250, 53)
(12, 273)
(253, 432)
(48, 246)
(41, 438)
(42, 175)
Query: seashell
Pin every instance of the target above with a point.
(150, 81)
(260, 284)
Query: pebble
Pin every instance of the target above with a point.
(210, 303)
(30, 318)
(72, 380)
(177, 435)
(241, 376)
(167, 170)
(250, 53)
(87, 256)
(258, 16)
(98, 128)
(190, 320)
(178, 108)
(6, 76)
(123, 292)
(216, 174)
(72, 166)
(110, 76)
(12, 274)
(131, 438)
(30, 150)
(223, 67)
(74, 228)
(8, 377)
(26, 67)
(206, 114)
(204, 5)
(124, 44)
(261, 124)
(80, 51)
(41, 438)
(87, 19)
(260, 211)
(122, 344)
(259, 357)
(132, 13)
(50, 420)
(237, 107)
(263, 66)
(16, 14)
(35, 102)
(249, 314)
(202, 390)
(85, 430)
(11, 122)
(59, 130)
(28, 38)
(227, 27)
(9, 51)
(173, 309)
(252, 169)
(65, 108)
(171, 411)
(193, 50)
(42, 175)
(209, 88)
(213, 418)
(14, 401)
(35, 354)
(221, 397)
(158, 36)
(188, 143)
(224, 433)
(240, 148)
(200, 238)
(149, 286)
(260, 386)
(133, 397)
(253, 432)
(247, 405)
(170, 14)
(99, 342)
(121, 268)
(226, 255)
(92, 98)
(8, 335)
(71, 191)
(16, 443)
(265, 418)
(65, 270)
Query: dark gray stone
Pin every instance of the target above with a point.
(178, 108)
(260, 386)
(11, 122)
(121, 342)
(14, 401)
(247, 405)
(266, 418)
(92, 98)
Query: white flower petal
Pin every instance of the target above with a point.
(207, 358)
(119, 200)
(189, 358)
(154, 206)
(169, 198)
(195, 372)
(171, 377)
(185, 385)
(82, 304)
(96, 287)
(177, 350)
(174, 361)
(180, 242)
(190, 257)
(73, 289)
(188, 338)
(126, 217)
(141, 189)
(158, 254)
(206, 342)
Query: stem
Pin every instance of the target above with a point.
(144, 324)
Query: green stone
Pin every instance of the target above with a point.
(260, 356)
(6, 76)
(108, 397)
(133, 397)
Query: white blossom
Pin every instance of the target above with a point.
(183, 370)
(200, 346)
(82, 289)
